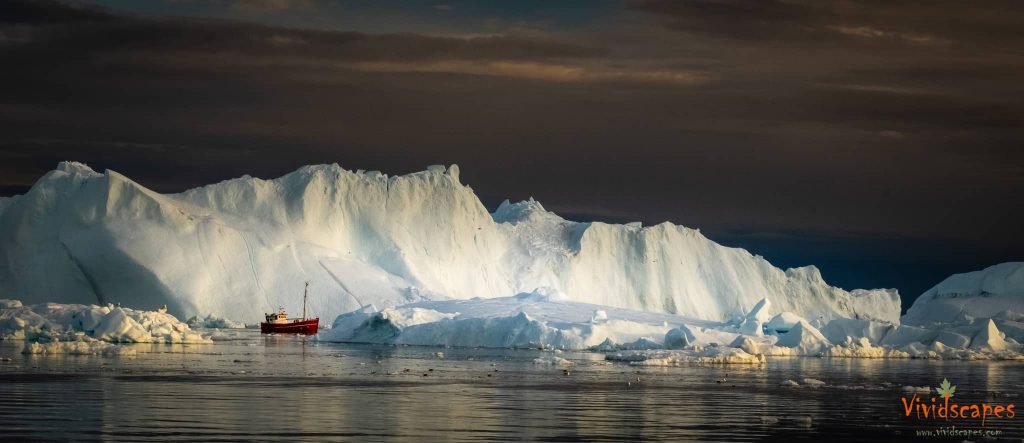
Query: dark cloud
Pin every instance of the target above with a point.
(40, 12)
(986, 26)
(782, 127)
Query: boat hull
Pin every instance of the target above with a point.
(306, 327)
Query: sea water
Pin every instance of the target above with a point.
(257, 387)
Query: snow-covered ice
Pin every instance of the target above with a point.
(55, 322)
(418, 260)
(546, 318)
(243, 247)
(542, 318)
(995, 292)
(212, 322)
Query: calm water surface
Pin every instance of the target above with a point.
(290, 388)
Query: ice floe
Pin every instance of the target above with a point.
(65, 323)
(545, 318)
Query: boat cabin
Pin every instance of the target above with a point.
(279, 318)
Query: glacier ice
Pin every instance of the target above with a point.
(528, 320)
(242, 247)
(989, 338)
(417, 259)
(804, 338)
(994, 292)
(55, 322)
(678, 338)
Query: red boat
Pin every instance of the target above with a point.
(280, 323)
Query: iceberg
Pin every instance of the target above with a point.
(418, 260)
(839, 329)
(243, 247)
(535, 319)
(993, 292)
(679, 338)
(212, 322)
(804, 339)
(54, 323)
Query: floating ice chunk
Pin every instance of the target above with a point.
(813, 383)
(917, 389)
(918, 350)
(642, 343)
(552, 360)
(711, 355)
(213, 322)
(118, 326)
(78, 347)
(69, 322)
(805, 339)
(789, 384)
(862, 348)
(679, 338)
(751, 345)
(599, 315)
(351, 320)
(606, 346)
(989, 338)
(839, 328)
(804, 421)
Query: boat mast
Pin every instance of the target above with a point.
(305, 296)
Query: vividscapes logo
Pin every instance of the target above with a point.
(943, 408)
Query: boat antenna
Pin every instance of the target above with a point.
(305, 296)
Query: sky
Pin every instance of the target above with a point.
(882, 142)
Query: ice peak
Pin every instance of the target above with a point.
(513, 213)
(810, 273)
(74, 167)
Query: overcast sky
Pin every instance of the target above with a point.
(882, 142)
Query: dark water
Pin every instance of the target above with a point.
(287, 388)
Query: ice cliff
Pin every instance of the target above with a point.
(242, 247)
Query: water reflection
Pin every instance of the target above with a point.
(277, 387)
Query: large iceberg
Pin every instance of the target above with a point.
(243, 247)
(993, 292)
